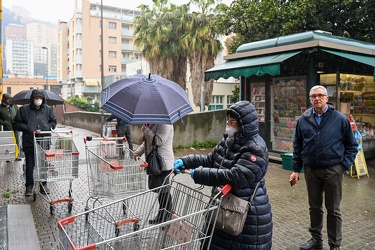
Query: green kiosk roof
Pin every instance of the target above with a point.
(264, 57)
(258, 66)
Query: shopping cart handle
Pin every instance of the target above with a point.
(144, 165)
(226, 189)
(87, 138)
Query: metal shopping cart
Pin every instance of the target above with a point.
(112, 173)
(190, 223)
(56, 159)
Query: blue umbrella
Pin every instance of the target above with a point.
(142, 99)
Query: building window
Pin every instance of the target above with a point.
(112, 68)
(229, 101)
(216, 102)
(9, 90)
(112, 25)
(112, 54)
(112, 39)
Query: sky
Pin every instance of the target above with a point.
(54, 10)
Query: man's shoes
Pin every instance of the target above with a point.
(18, 159)
(44, 190)
(29, 191)
(312, 244)
(334, 248)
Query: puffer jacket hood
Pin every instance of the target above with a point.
(246, 115)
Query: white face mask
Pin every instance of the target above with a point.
(38, 102)
(230, 130)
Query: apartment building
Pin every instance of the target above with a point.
(80, 45)
(30, 53)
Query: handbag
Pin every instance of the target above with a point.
(154, 161)
(232, 212)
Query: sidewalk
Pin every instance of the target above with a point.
(289, 204)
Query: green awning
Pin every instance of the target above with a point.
(247, 67)
(355, 57)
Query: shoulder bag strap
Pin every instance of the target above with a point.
(255, 190)
(153, 142)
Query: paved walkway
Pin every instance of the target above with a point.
(289, 204)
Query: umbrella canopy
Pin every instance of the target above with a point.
(23, 97)
(142, 99)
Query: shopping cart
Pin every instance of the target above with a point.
(190, 222)
(56, 159)
(112, 172)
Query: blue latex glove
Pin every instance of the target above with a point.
(176, 166)
(192, 173)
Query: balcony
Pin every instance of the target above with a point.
(127, 47)
(128, 60)
(126, 32)
(92, 90)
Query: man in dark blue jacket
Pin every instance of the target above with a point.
(35, 116)
(324, 144)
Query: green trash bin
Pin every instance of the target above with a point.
(286, 159)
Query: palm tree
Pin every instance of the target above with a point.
(158, 32)
(203, 46)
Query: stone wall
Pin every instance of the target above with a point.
(198, 127)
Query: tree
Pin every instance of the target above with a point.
(203, 46)
(255, 20)
(170, 36)
(158, 32)
(83, 103)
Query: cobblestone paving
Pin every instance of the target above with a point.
(289, 204)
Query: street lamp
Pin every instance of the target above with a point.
(46, 87)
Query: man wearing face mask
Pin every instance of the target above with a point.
(241, 160)
(35, 116)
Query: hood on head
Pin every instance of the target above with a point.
(37, 92)
(245, 114)
(6, 96)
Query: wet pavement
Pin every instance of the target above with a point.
(289, 204)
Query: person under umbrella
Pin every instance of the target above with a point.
(35, 116)
(163, 134)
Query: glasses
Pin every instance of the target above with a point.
(230, 121)
(320, 96)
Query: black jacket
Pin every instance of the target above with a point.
(243, 165)
(7, 116)
(29, 119)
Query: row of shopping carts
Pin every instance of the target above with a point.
(120, 204)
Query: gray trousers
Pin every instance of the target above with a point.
(328, 181)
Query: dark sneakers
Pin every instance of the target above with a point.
(29, 191)
(312, 244)
(334, 248)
